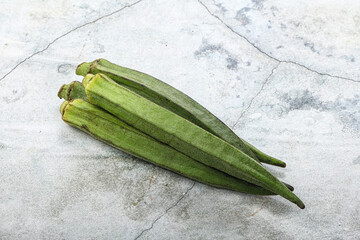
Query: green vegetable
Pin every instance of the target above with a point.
(181, 134)
(221, 180)
(175, 101)
(107, 128)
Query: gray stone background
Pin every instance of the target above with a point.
(284, 75)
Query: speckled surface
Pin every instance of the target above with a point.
(284, 75)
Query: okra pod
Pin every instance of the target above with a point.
(175, 101)
(69, 92)
(181, 134)
(107, 128)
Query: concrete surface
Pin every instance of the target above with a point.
(284, 75)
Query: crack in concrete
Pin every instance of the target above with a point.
(257, 94)
(166, 211)
(67, 33)
(272, 57)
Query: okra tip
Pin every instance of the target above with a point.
(301, 205)
(295, 200)
(274, 162)
(281, 164)
(83, 68)
(291, 188)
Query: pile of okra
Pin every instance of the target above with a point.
(147, 118)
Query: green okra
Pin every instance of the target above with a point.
(78, 92)
(109, 129)
(175, 101)
(181, 134)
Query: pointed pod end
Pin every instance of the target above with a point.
(282, 164)
(300, 204)
(63, 106)
(278, 162)
(83, 68)
(291, 188)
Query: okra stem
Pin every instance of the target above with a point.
(72, 90)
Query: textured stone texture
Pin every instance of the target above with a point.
(285, 76)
